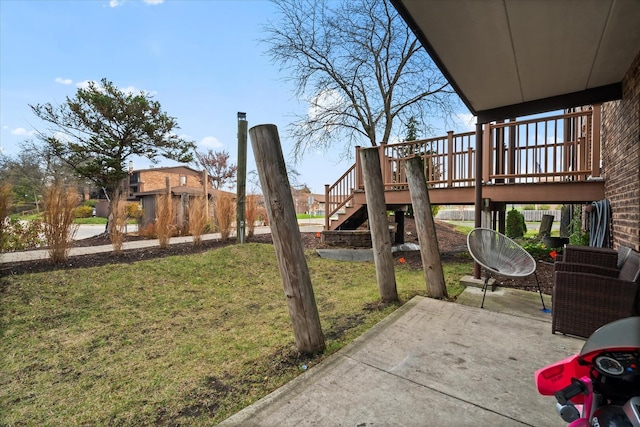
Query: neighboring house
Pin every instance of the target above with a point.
(183, 182)
(147, 180)
(316, 206)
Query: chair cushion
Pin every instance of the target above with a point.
(630, 271)
(623, 253)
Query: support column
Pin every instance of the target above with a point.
(377, 214)
(478, 189)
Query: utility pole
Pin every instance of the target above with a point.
(242, 177)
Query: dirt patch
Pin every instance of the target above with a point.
(452, 246)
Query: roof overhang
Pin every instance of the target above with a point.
(511, 58)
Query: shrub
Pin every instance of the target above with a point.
(545, 207)
(516, 227)
(578, 236)
(528, 208)
(148, 231)
(197, 218)
(90, 202)
(225, 214)
(164, 219)
(251, 214)
(538, 250)
(59, 212)
(84, 211)
(21, 235)
(133, 211)
(5, 207)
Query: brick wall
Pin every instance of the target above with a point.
(621, 159)
(154, 179)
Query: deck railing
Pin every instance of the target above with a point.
(564, 147)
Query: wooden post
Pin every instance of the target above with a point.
(425, 227)
(327, 207)
(241, 189)
(205, 183)
(478, 188)
(378, 225)
(595, 141)
(285, 232)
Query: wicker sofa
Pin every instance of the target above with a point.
(596, 290)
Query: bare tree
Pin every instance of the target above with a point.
(359, 67)
(217, 165)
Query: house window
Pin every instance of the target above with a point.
(183, 180)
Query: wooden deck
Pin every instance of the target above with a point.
(550, 160)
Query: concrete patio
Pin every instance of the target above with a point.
(430, 363)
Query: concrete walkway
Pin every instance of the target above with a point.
(431, 363)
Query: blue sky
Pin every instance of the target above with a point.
(202, 60)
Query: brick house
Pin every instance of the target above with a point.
(147, 180)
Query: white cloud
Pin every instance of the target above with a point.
(63, 81)
(22, 132)
(85, 84)
(466, 121)
(116, 3)
(210, 142)
(131, 90)
(153, 2)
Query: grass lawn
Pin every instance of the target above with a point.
(183, 341)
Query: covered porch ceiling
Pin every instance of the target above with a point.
(511, 58)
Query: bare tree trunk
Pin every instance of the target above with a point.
(426, 229)
(294, 271)
(378, 224)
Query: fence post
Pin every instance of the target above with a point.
(285, 232)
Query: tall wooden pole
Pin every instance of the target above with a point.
(205, 183)
(241, 191)
(378, 224)
(425, 227)
(285, 232)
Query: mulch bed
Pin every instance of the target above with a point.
(452, 246)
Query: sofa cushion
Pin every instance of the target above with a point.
(630, 270)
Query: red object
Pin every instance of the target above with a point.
(402, 260)
(553, 254)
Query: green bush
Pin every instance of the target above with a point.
(22, 235)
(516, 228)
(578, 236)
(545, 207)
(528, 208)
(90, 202)
(133, 211)
(84, 211)
(538, 250)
